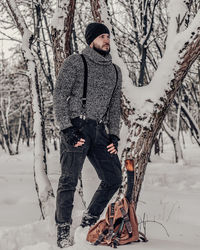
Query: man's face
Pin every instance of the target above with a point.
(101, 42)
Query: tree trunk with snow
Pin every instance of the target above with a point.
(144, 136)
(61, 31)
(144, 109)
(42, 183)
(26, 126)
(19, 131)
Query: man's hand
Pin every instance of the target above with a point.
(78, 123)
(113, 147)
(80, 143)
(73, 136)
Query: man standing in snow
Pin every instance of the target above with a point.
(83, 123)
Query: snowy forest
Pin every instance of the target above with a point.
(156, 44)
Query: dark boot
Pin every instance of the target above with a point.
(88, 219)
(63, 235)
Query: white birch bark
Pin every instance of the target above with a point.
(43, 185)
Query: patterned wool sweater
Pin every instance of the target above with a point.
(68, 92)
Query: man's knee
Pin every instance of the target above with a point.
(113, 183)
(67, 182)
(118, 181)
(118, 178)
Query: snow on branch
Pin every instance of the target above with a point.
(21, 25)
(177, 10)
(144, 98)
(57, 21)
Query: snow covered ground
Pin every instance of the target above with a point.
(169, 203)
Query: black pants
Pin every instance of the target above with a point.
(107, 166)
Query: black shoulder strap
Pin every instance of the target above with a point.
(85, 83)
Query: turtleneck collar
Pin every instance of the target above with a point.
(101, 52)
(96, 57)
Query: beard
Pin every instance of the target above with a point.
(100, 51)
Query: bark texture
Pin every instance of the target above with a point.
(141, 146)
(61, 39)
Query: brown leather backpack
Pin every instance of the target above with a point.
(120, 225)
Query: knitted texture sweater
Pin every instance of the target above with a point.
(68, 92)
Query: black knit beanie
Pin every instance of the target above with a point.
(93, 30)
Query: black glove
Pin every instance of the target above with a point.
(114, 139)
(78, 122)
(72, 135)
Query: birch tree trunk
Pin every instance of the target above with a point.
(61, 31)
(145, 108)
(42, 183)
(19, 131)
(5, 131)
(174, 136)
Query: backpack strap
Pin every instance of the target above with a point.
(116, 237)
(111, 219)
(85, 86)
(126, 221)
(107, 232)
(101, 237)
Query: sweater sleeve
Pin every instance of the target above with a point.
(64, 83)
(115, 107)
